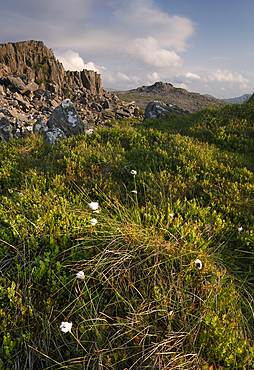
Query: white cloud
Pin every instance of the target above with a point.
(152, 78)
(150, 52)
(73, 62)
(226, 76)
(209, 81)
(193, 76)
(143, 17)
(187, 78)
(123, 76)
(127, 24)
(182, 86)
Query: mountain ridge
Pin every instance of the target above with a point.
(236, 100)
(190, 101)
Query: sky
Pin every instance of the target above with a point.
(204, 46)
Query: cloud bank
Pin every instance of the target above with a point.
(137, 36)
(130, 43)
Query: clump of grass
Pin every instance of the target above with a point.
(143, 303)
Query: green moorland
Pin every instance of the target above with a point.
(140, 300)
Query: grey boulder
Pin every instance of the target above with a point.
(157, 109)
(66, 119)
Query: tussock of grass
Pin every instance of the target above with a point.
(142, 303)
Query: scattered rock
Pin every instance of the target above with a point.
(40, 127)
(54, 135)
(5, 130)
(12, 112)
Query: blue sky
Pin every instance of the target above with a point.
(200, 45)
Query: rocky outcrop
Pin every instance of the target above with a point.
(91, 80)
(33, 86)
(157, 109)
(27, 108)
(34, 61)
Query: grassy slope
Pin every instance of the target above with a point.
(142, 304)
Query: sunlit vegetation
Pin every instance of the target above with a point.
(140, 300)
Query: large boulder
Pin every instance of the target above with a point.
(67, 119)
(64, 122)
(15, 83)
(157, 109)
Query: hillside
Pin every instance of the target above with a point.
(190, 101)
(158, 274)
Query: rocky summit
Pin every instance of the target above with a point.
(181, 98)
(34, 86)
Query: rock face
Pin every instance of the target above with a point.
(89, 79)
(33, 59)
(36, 62)
(33, 92)
(157, 109)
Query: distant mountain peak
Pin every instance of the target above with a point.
(239, 100)
(157, 87)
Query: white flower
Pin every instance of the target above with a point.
(96, 211)
(171, 215)
(80, 275)
(171, 313)
(66, 326)
(93, 206)
(240, 229)
(198, 264)
(134, 191)
(93, 221)
(20, 194)
(90, 131)
(133, 172)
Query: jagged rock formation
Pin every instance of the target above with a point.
(33, 59)
(33, 84)
(91, 80)
(38, 63)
